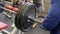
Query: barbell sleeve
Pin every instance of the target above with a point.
(36, 20)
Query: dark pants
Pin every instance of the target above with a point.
(56, 30)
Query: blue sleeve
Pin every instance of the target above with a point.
(53, 17)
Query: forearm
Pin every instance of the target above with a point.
(42, 2)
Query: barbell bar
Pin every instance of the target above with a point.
(36, 20)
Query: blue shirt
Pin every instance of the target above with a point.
(53, 17)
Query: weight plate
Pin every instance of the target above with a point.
(17, 16)
(21, 20)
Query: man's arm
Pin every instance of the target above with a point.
(43, 7)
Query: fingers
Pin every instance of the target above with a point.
(34, 26)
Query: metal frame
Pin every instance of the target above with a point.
(14, 30)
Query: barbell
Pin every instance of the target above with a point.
(40, 20)
(22, 22)
(26, 17)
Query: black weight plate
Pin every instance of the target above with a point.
(16, 20)
(26, 26)
(17, 17)
(27, 11)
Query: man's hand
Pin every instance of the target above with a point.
(34, 26)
